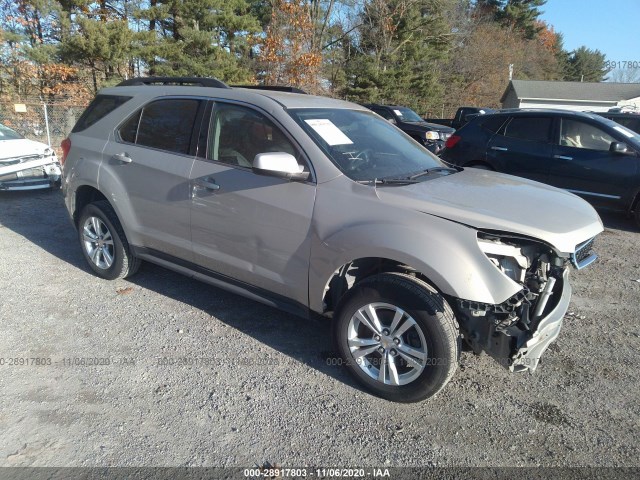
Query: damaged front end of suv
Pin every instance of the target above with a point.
(517, 331)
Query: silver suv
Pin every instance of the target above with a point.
(319, 206)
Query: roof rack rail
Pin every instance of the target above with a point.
(275, 88)
(184, 81)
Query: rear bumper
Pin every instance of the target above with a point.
(528, 355)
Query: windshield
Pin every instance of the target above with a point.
(407, 115)
(363, 145)
(7, 134)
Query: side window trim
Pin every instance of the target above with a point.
(206, 125)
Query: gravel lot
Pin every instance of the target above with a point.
(263, 389)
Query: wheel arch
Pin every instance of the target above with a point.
(446, 256)
(351, 273)
(84, 195)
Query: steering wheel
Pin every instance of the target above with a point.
(359, 160)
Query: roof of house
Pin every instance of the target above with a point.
(603, 91)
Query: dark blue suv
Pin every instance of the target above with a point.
(583, 153)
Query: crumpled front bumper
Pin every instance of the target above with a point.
(528, 355)
(31, 175)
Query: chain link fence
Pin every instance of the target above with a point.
(42, 122)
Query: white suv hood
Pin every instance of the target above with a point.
(20, 148)
(494, 201)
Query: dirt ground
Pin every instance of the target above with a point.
(189, 375)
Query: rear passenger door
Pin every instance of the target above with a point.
(523, 147)
(149, 161)
(251, 228)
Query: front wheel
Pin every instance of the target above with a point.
(104, 243)
(398, 337)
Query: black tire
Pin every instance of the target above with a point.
(636, 214)
(432, 315)
(124, 263)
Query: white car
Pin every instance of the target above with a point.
(25, 164)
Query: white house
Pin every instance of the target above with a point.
(581, 96)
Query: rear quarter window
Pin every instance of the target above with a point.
(101, 106)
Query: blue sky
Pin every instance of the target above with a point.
(611, 26)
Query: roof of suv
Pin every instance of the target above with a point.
(256, 96)
(552, 111)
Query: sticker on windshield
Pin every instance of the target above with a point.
(398, 112)
(625, 132)
(329, 132)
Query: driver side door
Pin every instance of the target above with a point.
(584, 165)
(250, 228)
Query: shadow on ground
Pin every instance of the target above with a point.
(41, 218)
(618, 221)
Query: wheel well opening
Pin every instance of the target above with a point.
(84, 196)
(349, 274)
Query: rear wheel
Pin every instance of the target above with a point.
(104, 243)
(398, 337)
(636, 214)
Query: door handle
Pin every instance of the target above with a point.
(562, 157)
(122, 157)
(207, 183)
(500, 149)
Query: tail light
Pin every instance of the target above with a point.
(66, 146)
(452, 140)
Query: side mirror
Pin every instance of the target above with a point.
(392, 120)
(280, 165)
(620, 148)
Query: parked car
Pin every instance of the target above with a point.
(320, 207)
(463, 115)
(26, 164)
(583, 153)
(629, 120)
(428, 134)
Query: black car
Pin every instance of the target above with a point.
(583, 153)
(629, 120)
(430, 135)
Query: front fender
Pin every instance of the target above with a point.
(447, 253)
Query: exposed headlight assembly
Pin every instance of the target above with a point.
(509, 259)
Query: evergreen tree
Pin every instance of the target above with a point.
(198, 38)
(522, 16)
(586, 65)
(394, 59)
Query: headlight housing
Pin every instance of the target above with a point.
(432, 135)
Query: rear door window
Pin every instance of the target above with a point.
(163, 124)
(533, 129)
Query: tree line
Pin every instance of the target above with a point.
(422, 53)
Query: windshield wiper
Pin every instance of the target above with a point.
(388, 181)
(429, 171)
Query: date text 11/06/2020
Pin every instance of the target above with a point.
(278, 472)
